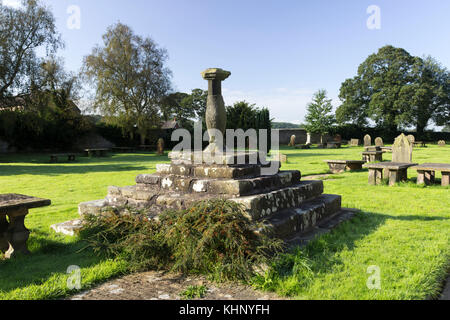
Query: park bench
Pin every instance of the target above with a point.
(71, 157)
(420, 144)
(427, 173)
(396, 171)
(123, 149)
(339, 166)
(13, 234)
(96, 152)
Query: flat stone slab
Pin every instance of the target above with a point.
(390, 165)
(445, 167)
(346, 161)
(68, 228)
(226, 158)
(9, 202)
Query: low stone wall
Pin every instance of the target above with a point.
(301, 136)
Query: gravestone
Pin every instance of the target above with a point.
(292, 142)
(402, 150)
(160, 147)
(281, 201)
(441, 143)
(379, 142)
(367, 140)
(354, 142)
(280, 157)
(411, 139)
(308, 139)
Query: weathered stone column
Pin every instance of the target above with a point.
(216, 115)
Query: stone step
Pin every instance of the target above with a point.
(231, 187)
(226, 158)
(287, 223)
(263, 205)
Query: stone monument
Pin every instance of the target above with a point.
(286, 205)
(411, 139)
(402, 150)
(160, 147)
(441, 143)
(379, 142)
(292, 141)
(367, 140)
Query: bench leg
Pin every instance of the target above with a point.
(375, 176)
(337, 167)
(4, 245)
(17, 234)
(445, 179)
(397, 176)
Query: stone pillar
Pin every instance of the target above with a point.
(4, 245)
(445, 179)
(17, 234)
(216, 115)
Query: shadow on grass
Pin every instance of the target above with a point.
(6, 171)
(51, 257)
(323, 252)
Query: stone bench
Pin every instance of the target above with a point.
(420, 144)
(14, 234)
(71, 157)
(373, 156)
(397, 172)
(427, 173)
(96, 152)
(339, 166)
(123, 149)
(333, 145)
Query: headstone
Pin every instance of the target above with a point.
(292, 143)
(354, 142)
(367, 140)
(402, 150)
(337, 138)
(441, 143)
(411, 138)
(160, 147)
(308, 138)
(280, 157)
(379, 142)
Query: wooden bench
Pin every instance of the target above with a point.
(427, 173)
(96, 152)
(71, 157)
(14, 234)
(339, 166)
(397, 172)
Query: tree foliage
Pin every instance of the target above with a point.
(394, 89)
(130, 78)
(319, 118)
(22, 32)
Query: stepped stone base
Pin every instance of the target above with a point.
(285, 204)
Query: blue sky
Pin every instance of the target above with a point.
(279, 52)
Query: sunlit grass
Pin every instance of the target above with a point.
(402, 229)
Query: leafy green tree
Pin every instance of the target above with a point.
(130, 79)
(319, 118)
(22, 32)
(394, 89)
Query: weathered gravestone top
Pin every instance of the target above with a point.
(337, 138)
(441, 143)
(292, 141)
(379, 142)
(354, 142)
(367, 140)
(216, 115)
(411, 138)
(402, 150)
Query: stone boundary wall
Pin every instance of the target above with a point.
(301, 136)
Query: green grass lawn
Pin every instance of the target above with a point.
(404, 230)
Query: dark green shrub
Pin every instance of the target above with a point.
(213, 237)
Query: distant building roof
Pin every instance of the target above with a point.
(171, 125)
